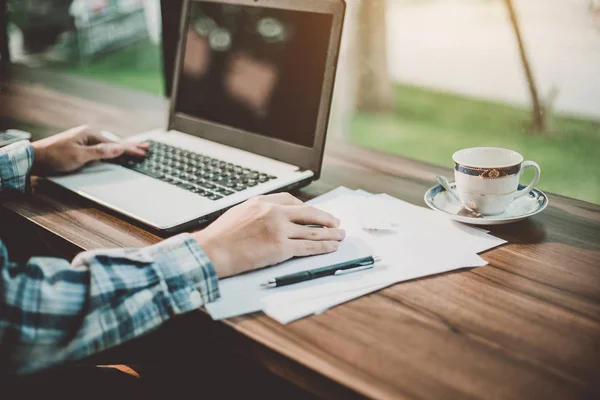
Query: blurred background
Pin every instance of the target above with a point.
(417, 78)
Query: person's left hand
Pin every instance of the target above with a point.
(72, 149)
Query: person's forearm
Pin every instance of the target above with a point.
(56, 311)
(15, 164)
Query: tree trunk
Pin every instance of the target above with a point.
(374, 91)
(538, 118)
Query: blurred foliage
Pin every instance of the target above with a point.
(138, 66)
(430, 126)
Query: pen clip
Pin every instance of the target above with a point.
(348, 271)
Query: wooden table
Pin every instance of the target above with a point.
(525, 326)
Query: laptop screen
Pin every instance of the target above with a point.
(256, 69)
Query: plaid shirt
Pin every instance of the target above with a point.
(53, 311)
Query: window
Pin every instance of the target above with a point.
(114, 41)
(424, 78)
(418, 78)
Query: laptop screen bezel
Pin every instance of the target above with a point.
(307, 158)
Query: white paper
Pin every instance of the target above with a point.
(418, 235)
(419, 243)
(289, 312)
(294, 304)
(242, 294)
(375, 222)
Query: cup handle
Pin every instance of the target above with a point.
(536, 178)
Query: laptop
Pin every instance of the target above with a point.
(248, 116)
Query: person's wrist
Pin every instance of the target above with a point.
(39, 157)
(217, 256)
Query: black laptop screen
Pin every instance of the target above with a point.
(257, 69)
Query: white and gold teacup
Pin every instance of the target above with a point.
(487, 178)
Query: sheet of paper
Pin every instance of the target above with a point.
(378, 276)
(407, 250)
(332, 194)
(290, 312)
(418, 245)
(293, 305)
(242, 294)
(413, 231)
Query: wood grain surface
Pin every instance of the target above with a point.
(525, 326)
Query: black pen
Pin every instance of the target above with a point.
(336, 269)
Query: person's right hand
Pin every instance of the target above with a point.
(267, 230)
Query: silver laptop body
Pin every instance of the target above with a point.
(249, 110)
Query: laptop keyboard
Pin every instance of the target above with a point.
(195, 172)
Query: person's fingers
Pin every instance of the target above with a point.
(102, 151)
(284, 199)
(302, 248)
(134, 149)
(142, 145)
(306, 215)
(130, 148)
(310, 233)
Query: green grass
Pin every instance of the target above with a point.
(138, 66)
(430, 126)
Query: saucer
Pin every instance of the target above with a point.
(438, 199)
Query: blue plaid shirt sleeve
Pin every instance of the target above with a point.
(15, 162)
(53, 311)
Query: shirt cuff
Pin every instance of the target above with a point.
(15, 164)
(187, 272)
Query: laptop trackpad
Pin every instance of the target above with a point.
(139, 196)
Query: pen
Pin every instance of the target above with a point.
(336, 269)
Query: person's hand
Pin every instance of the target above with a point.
(267, 230)
(72, 149)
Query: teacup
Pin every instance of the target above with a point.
(487, 178)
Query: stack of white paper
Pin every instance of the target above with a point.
(412, 241)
